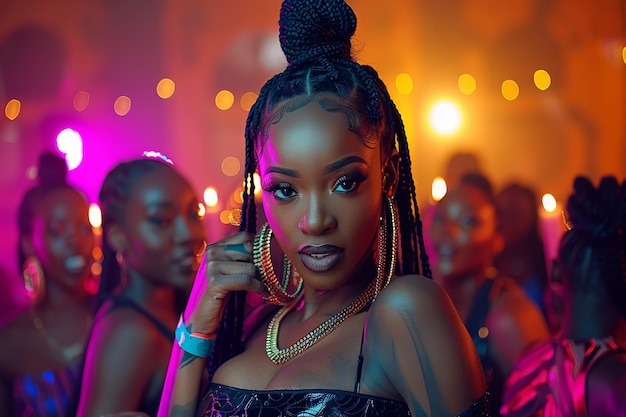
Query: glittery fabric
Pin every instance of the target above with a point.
(224, 401)
(550, 381)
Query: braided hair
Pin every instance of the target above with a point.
(597, 221)
(315, 36)
(51, 177)
(115, 192)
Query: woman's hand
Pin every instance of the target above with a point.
(227, 266)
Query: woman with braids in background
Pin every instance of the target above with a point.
(356, 330)
(152, 235)
(40, 349)
(582, 372)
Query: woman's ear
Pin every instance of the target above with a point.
(391, 174)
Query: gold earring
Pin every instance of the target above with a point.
(387, 251)
(262, 256)
(34, 279)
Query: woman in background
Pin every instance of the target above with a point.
(40, 350)
(152, 237)
(582, 371)
(501, 319)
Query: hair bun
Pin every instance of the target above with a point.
(51, 169)
(311, 29)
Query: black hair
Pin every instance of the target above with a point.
(116, 189)
(596, 218)
(315, 36)
(51, 176)
(481, 182)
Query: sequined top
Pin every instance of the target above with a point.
(45, 394)
(551, 380)
(225, 401)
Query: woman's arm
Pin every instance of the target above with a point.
(420, 351)
(223, 270)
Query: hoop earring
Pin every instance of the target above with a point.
(34, 279)
(262, 257)
(387, 253)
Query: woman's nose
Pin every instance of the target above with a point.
(317, 218)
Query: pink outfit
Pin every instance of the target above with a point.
(550, 381)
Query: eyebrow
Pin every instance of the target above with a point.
(330, 168)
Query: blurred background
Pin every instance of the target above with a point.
(529, 90)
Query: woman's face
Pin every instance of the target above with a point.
(322, 194)
(63, 238)
(464, 234)
(163, 232)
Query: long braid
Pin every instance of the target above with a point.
(315, 37)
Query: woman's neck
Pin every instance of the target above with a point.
(148, 295)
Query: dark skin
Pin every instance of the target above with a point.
(61, 232)
(159, 239)
(466, 241)
(323, 186)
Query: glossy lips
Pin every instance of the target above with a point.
(320, 258)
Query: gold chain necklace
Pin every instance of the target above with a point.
(69, 353)
(280, 356)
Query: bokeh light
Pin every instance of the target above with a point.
(445, 117)
(165, 88)
(95, 215)
(224, 100)
(231, 166)
(70, 143)
(12, 109)
(466, 84)
(122, 105)
(404, 83)
(510, 90)
(201, 210)
(548, 202)
(210, 196)
(247, 100)
(542, 79)
(439, 188)
(81, 101)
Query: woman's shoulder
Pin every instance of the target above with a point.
(413, 294)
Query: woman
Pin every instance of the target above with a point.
(357, 339)
(40, 349)
(582, 371)
(501, 319)
(152, 236)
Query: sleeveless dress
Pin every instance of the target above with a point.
(476, 326)
(226, 401)
(46, 394)
(149, 406)
(551, 380)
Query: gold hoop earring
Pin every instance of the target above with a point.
(262, 257)
(34, 279)
(387, 253)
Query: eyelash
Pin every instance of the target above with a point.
(354, 180)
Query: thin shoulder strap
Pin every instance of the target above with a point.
(123, 301)
(359, 367)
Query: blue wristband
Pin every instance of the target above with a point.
(199, 346)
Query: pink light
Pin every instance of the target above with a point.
(70, 143)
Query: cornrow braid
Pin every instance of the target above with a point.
(114, 194)
(598, 221)
(315, 36)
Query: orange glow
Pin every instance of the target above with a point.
(404, 83)
(225, 216)
(466, 84)
(165, 88)
(548, 202)
(95, 215)
(122, 105)
(247, 100)
(224, 100)
(12, 109)
(231, 166)
(201, 210)
(81, 101)
(210, 196)
(439, 188)
(510, 90)
(542, 79)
